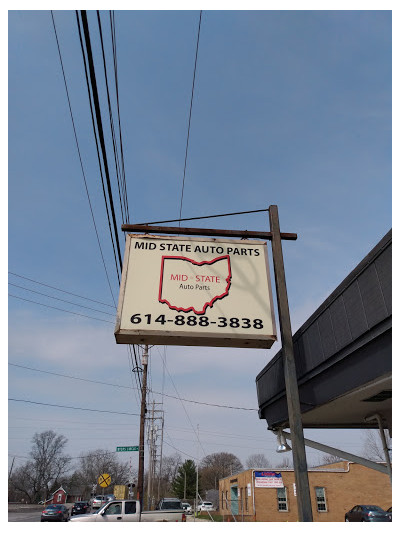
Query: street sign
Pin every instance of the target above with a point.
(104, 480)
(127, 448)
(195, 292)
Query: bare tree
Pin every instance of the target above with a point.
(170, 466)
(217, 466)
(24, 484)
(286, 462)
(373, 448)
(97, 462)
(329, 459)
(39, 477)
(257, 460)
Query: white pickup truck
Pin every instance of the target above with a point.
(129, 511)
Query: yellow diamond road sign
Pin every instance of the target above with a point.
(104, 480)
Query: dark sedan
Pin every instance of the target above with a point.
(367, 513)
(55, 513)
(79, 508)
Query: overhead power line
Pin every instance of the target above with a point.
(180, 451)
(200, 218)
(114, 48)
(126, 387)
(59, 309)
(80, 157)
(60, 299)
(61, 290)
(97, 144)
(71, 407)
(190, 115)
(122, 198)
(100, 131)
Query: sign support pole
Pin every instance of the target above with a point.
(141, 434)
(292, 391)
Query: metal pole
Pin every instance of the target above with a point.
(11, 469)
(141, 434)
(378, 417)
(292, 391)
(343, 455)
(197, 476)
(151, 461)
(161, 457)
(264, 235)
(385, 446)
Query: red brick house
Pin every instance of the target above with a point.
(58, 496)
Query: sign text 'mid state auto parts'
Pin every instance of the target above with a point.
(195, 292)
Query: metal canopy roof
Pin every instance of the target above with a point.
(343, 354)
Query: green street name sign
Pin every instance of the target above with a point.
(127, 448)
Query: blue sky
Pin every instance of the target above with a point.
(291, 108)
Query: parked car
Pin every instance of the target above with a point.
(367, 513)
(390, 512)
(110, 497)
(55, 513)
(205, 506)
(187, 508)
(98, 501)
(80, 507)
(171, 504)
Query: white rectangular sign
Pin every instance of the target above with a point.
(195, 292)
(270, 480)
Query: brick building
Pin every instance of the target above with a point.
(58, 496)
(271, 496)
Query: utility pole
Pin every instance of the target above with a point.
(145, 359)
(161, 457)
(150, 441)
(11, 469)
(289, 366)
(197, 476)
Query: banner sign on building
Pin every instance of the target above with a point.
(195, 292)
(268, 480)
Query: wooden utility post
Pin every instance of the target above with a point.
(142, 421)
(289, 366)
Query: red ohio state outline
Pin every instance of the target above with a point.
(199, 263)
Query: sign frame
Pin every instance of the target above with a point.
(227, 337)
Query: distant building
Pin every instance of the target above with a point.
(270, 496)
(58, 496)
(74, 495)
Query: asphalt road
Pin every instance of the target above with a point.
(25, 513)
(32, 516)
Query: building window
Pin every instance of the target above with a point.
(321, 499)
(59, 497)
(282, 499)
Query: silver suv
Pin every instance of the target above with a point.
(98, 501)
